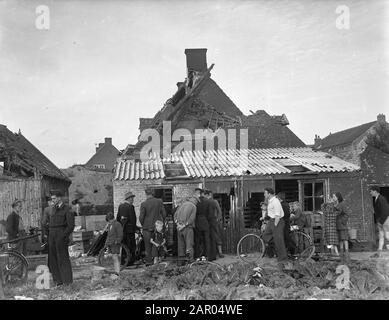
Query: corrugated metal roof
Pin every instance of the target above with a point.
(224, 163)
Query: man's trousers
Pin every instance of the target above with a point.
(59, 261)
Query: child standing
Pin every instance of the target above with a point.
(114, 239)
(158, 241)
(341, 225)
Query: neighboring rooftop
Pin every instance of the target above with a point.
(347, 136)
(105, 156)
(21, 155)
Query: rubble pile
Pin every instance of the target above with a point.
(308, 280)
(294, 281)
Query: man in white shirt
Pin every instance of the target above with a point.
(275, 227)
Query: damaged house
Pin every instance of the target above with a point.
(273, 157)
(28, 175)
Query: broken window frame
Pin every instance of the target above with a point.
(313, 196)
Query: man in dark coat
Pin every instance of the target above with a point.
(61, 225)
(151, 210)
(204, 223)
(216, 221)
(289, 243)
(381, 213)
(127, 217)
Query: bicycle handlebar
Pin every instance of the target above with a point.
(19, 239)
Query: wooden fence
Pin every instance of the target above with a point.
(27, 190)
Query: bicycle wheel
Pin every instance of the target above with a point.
(250, 248)
(14, 267)
(105, 258)
(304, 245)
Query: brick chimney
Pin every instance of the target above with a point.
(100, 145)
(196, 59)
(317, 141)
(108, 140)
(381, 118)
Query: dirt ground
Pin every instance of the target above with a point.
(228, 278)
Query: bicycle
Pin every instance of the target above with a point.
(14, 264)
(251, 247)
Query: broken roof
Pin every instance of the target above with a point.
(224, 163)
(345, 137)
(201, 103)
(25, 155)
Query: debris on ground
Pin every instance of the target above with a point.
(310, 280)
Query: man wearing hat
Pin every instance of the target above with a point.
(127, 217)
(151, 210)
(61, 225)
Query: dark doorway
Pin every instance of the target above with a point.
(252, 209)
(166, 194)
(290, 187)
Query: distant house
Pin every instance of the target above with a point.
(351, 145)
(275, 157)
(105, 156)
(26, 174)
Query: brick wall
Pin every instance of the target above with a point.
(183, 191)
(358, 202)
(136, 187)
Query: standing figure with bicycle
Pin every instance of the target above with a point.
(275, 227)
(15, 228)
(127, 217)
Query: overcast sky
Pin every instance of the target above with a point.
(104, 64)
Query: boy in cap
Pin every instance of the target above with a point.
(127, 217)
(114, 239)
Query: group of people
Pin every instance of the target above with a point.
(277, 230)
(151, 217)
(198, 220)
(199, 227)
(57, 223)
(336, 218)
(277, 218)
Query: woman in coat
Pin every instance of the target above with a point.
(341, 224)
(330, 232)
